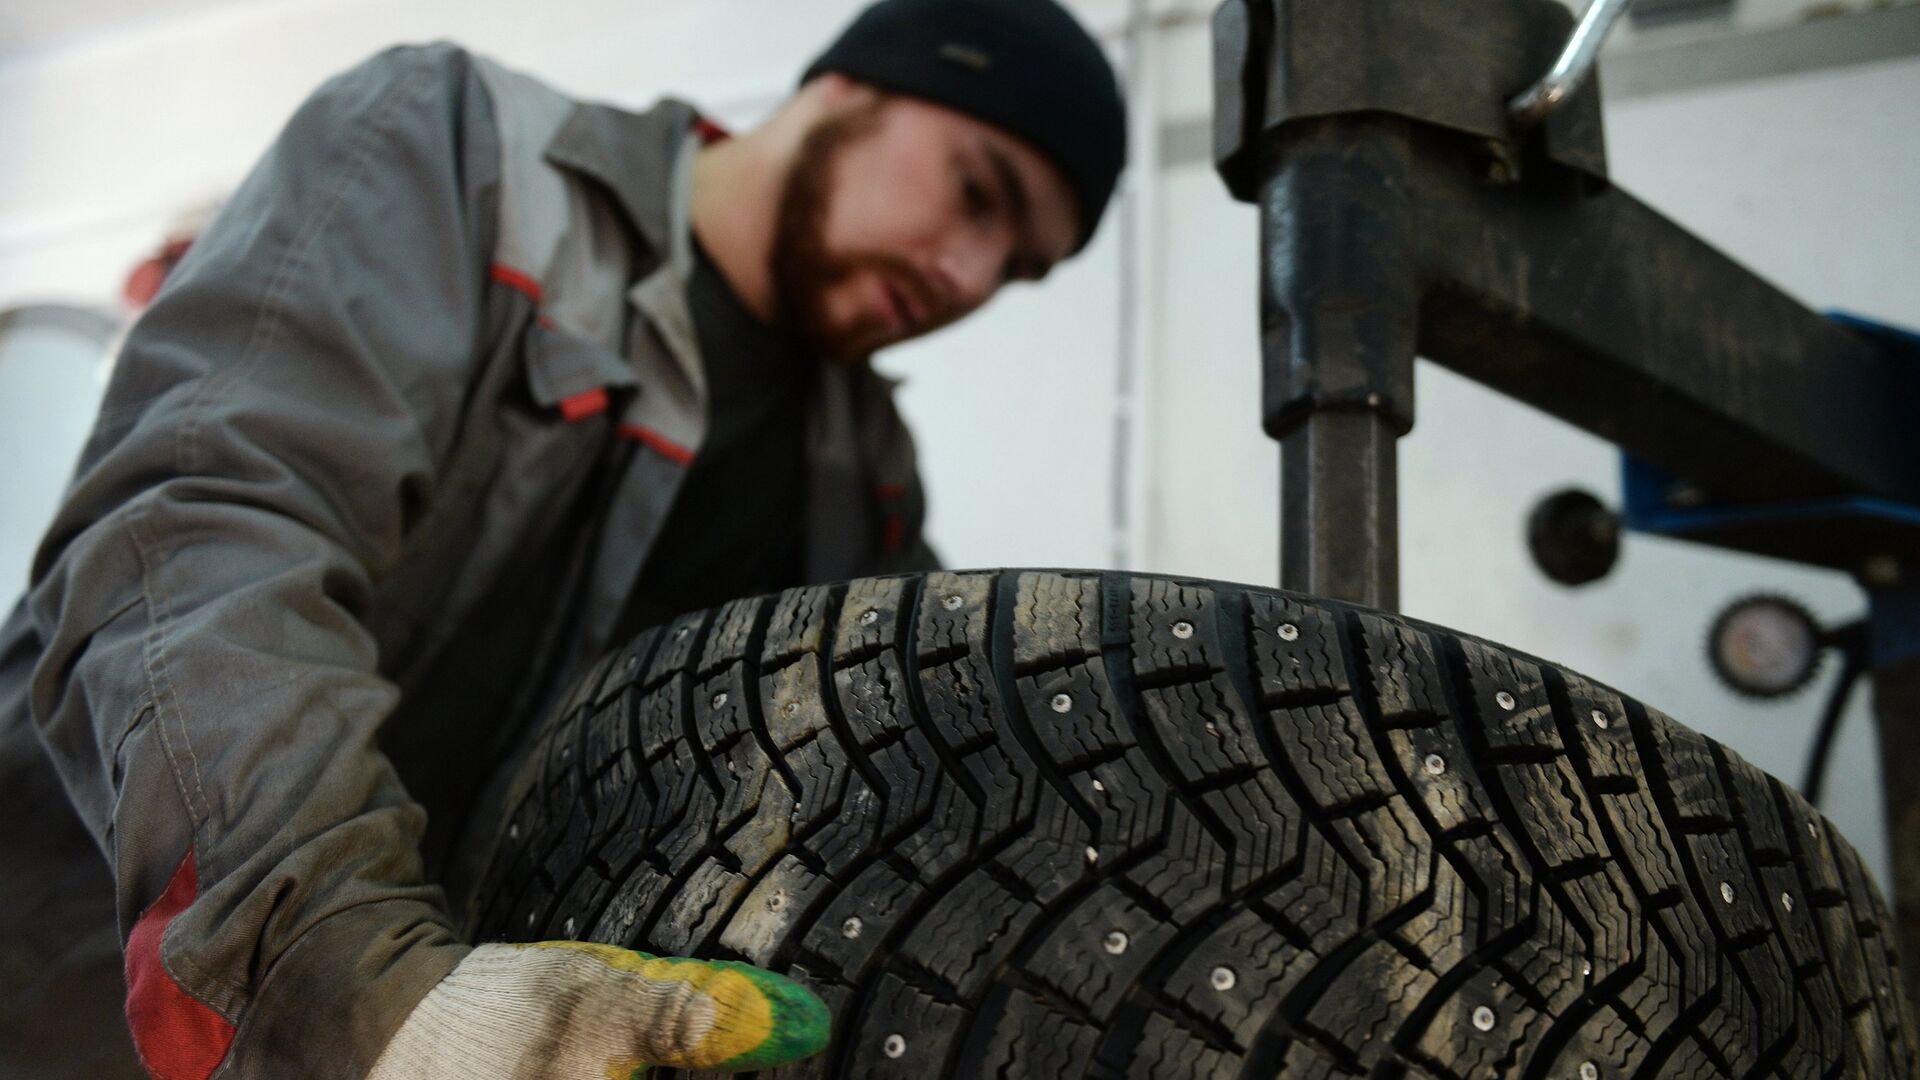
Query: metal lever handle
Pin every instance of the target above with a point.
(1572, 68)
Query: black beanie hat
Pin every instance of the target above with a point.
(1024, 66)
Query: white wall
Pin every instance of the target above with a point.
(1808, 179)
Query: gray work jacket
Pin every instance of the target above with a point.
(445, 299)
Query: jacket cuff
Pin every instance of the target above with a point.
(335, 999)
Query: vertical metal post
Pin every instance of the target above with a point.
(1339, 299)
(1339, 509)
(1895, 621)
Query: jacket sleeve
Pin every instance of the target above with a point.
(208, 689)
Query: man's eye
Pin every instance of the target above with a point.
(975, 196)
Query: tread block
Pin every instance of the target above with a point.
(915, 781)
(1261, 969)
(857, 920)
(960, 702)
(1648, 850)
(679, 639)
(767, 827)
(947, 837)
(1168, 1051)
(1453, 1036)
(1083, 960)
(1188, 874)
(1207, 736)
(1369, 1000)
(873, 698)
(1793, 911)
(1692, 774)
(1031, 1038)
(1405, 672)
(1608, 1041)
(773, 909)
(1555, 812)
(968, 932)
(790, 705)
(722, 712)
(1320, 902)
(1499, 880)
(1602, 730)
(697, 908)
(1330, 747)
(1056, 621)
(1076, 715)
(1174, 632)
(1298, 650)
(955, 615)
(1130, 798)
(1262, 825)
(906, 1033)
(844, 830)
(1602, 906)
(798, 625)
(1548, 963)
(612, 674)
(1439, 772)
(1729, 893)
(1050, 856)
(613, 776)
(870, 616)
(1439, 935)
(1394, 853)
(1510, 697)
(733, 627)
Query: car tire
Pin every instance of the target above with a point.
(1029, 823)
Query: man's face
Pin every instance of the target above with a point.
(901, 216)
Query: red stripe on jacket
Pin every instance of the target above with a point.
(662, 445)
(584, 404)
(514, 279)
(178, 1036)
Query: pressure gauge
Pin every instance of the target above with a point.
(1764, 646)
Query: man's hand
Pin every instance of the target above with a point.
(575, 1009)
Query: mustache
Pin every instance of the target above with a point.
(930, 302)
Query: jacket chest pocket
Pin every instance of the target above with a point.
(541, 421)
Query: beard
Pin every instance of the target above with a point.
(804, 269)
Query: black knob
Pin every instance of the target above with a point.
(1574, 538)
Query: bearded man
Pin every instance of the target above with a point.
(467, 383)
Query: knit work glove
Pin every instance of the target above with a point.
(570, 1009)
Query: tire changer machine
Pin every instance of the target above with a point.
(1424, 190)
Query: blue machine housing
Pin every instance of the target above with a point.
(1843, 532)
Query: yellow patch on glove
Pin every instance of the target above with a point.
(742, 1010)
(568, 1008)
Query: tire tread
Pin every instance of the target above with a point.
(934, 797)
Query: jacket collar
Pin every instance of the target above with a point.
(634, 156)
